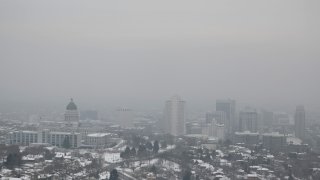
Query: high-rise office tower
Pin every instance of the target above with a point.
(124, 117)
(175, 116)
(71, 114)
(219, 116)
(281, 119)
(267, 118)
(248, 120)
(214, 129)
(229, 107)
(300, 122)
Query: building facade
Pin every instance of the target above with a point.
(193, 128)
(274, 141)
(228, 106)
(175, 116)
(267, 118)
(218, 116)
(300, 122)
(247, 138)
(220, 131)
(248, 121)
(23, 138)
(71, 114)
(59, 139)
(97, 140)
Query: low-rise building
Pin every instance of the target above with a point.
(246, 137)
(295, 145)
(274, 141)
(97, 139)
(23, 138)
(59, 139)
(193, 128)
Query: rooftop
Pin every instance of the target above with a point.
(98, 134)
(246, 133)
(275, 134)
(72, 105)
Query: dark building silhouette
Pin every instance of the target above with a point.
(300, 122)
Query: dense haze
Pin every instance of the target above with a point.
(139, 53)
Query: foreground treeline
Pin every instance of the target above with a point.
(11, 155)
(143, 150)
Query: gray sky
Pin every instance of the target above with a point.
(264, 53)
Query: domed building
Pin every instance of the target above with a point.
(71, 114)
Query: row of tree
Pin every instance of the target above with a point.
(12, 156)
(143, 149)
(135, 140)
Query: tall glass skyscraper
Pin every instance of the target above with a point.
(229, 107)
(175, 116)
(300, 122)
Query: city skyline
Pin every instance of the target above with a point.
(160, 90)
(118, 53)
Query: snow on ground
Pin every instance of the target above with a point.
(84, 151)
(207, 166)
(120, 146)
(145, 163)
(112, 157)
(224, 162)
(5, 171)
(94, 155)
(125, 174)
(31, 157)
(153, 161)
(128, 170)
(104, 175)
(84, 162)
(220, 153)
(165, 163)
(169, 147)
(66, 155)
(80, 174)
(172, 165)
(22, 148)
(269, 156)
(50, 148)
(29, 165)
(241, 149)
(204, 164)
(222, 177)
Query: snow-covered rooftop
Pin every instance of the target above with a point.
(98, 134)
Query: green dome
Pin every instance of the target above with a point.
(71, 105)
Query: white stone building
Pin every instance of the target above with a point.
(97, 139)
(25, 138)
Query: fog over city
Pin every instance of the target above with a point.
(160, 90)
(139, 53)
